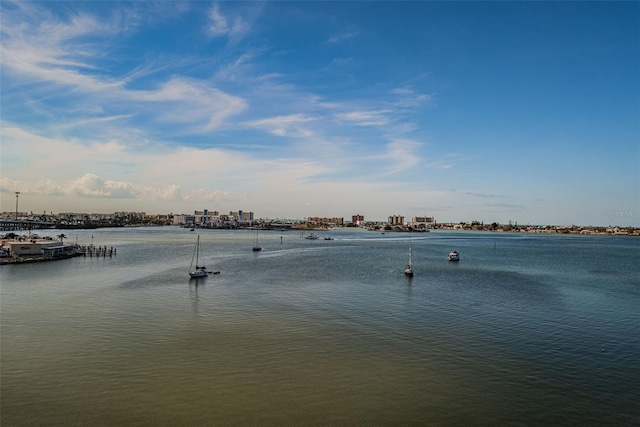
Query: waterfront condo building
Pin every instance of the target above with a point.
(396, 220)
(422, 220)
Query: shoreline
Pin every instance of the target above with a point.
(379, 228)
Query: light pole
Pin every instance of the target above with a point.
(17, 194)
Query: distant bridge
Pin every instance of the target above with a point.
(15, 225)
(278, 226)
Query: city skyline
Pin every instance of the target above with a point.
(488, 111)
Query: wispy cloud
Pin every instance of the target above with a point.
(56, 52)
(45, 48)
(399, 155)
(341, 37)
(291, 125)
(219, 25)
(92, 121)
(192, 102)
(407, 97)
(365, 118)
(484, 195)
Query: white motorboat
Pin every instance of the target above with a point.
(454, 256)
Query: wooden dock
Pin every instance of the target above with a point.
(80, 250)
(97, 251)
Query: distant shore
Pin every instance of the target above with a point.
(538, 229)
(28, 225)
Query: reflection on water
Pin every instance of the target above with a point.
(324, 332)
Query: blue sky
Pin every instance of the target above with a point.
(489, 111)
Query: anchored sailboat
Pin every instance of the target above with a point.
(256, 247)
(199, 270)
(408, 271)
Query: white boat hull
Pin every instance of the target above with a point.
(199, 273)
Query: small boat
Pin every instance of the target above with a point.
(408, 271)
(328, 238)
(193, 229)
(199, 270)
(454, 256)
(312, 236)
(256, 247)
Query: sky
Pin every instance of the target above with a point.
(490, 111)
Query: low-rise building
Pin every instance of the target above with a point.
(34, 247)
(422, 220)
(183, 219)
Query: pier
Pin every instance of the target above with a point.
(97, 251)
(21, 252)
(16, 225)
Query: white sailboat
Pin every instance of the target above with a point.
(199, 270)
(408, 271)
(256, 247)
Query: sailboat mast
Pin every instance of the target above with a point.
(197, 251)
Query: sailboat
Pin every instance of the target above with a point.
(198, 271)
(256, 248)
(408, 271)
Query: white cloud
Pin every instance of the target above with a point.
(290, 125)
(341, 37)
(365, 118)
(92, 186)
(193, 102)
(48, 49)
(400, 155)
(407, 97)
(200, 195)
(219, 25)
(56, 53)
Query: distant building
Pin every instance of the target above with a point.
(184, 219)
(38, 247)
(314, 220)
(202, 217)
(357, 219)
(101, 217)
(396, 220)
(422, 220)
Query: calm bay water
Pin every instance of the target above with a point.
(324, 332)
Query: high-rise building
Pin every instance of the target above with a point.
(396, 220)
